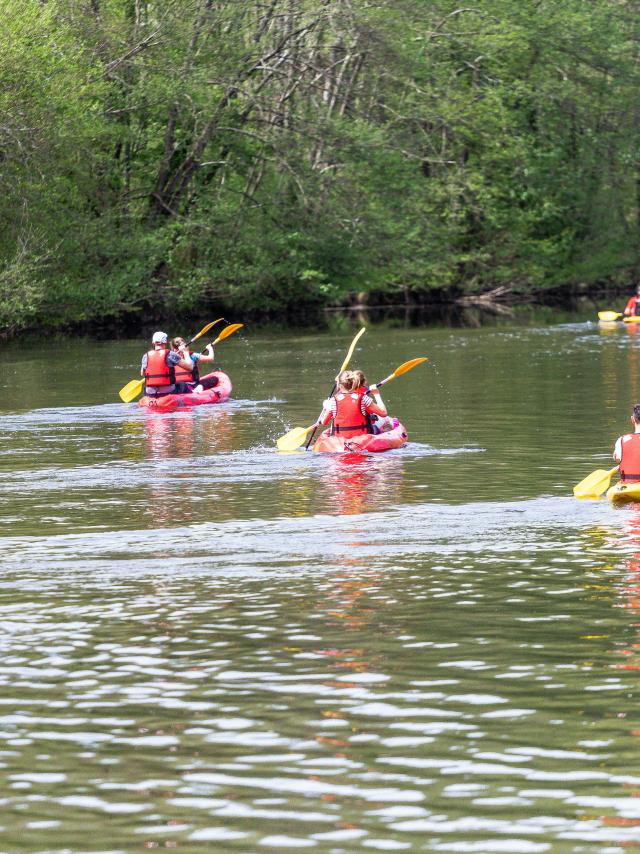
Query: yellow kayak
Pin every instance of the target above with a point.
(622, 492)
(611, 316)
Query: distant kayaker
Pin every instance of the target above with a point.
(631, 308)
(353, 409)
(188, 381)
(158, 367)
(627, 450)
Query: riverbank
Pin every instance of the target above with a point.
(448, 307)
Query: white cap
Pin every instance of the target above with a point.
(159, 338)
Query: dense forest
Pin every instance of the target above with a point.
(159, 156)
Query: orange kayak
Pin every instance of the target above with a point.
(372, 443)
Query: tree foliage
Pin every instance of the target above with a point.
(279, 154)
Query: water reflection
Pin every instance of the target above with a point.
(351, 484)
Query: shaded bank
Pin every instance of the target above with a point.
(437, 308)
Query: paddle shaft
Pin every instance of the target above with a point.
(202, 331)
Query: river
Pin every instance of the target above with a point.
(208, 645)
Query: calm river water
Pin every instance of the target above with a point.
(207, 645)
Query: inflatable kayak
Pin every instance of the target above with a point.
(170, 402)
(623, 492)
(364, 443)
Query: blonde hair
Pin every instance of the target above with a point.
(349, 381)
(177, 342)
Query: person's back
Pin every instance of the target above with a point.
(351, 407)
(159, 365)
(159, 376)
(627, 451)
(632, 308)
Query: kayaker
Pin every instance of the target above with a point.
(352, 409)
(158, 367)
(631, 308)
(627, 450)
(188, 381)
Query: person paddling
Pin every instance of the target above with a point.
(188, 381)
(627, 450)
(352, 409)
(632, 309)
(158, 367)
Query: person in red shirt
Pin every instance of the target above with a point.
(627, 450)
(632, 308)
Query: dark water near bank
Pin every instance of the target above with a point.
(207, 645)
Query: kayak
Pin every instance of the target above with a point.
(171, 402)
(614, 317)
(623, 492)
(372, 443)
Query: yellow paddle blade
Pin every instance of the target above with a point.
(402, 369)
(351, 349)
(632, 319)
(131, 390)
(294, 438)
(227, 331)
(594, 484)
(609, 315)
(407, 366)
(205, 329)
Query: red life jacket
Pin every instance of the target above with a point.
(349, 418)
(630, 462)
(157, 372)
(183, 376)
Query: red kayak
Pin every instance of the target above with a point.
(372, 443)
(169, 402)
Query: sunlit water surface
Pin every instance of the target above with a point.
(207, 645)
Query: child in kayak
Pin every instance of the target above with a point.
(627, 450)
(188, 381)
(353, 408)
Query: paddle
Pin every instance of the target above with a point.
(294, 438)
(594, 484)
(402, 369)
(609, 315)
(132, 389)
(226, 332)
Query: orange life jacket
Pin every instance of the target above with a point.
(632, 305)
(349, 418)
(183, 376)
(157, 372)
(630, 462)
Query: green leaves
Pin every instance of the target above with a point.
(183, 153)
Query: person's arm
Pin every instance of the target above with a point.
(175, 360)
(206, 355)
(373, 402)
(328, 412)
(617, 450)
(143, 365)
(630, 307)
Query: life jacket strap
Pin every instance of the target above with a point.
(346, 428)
